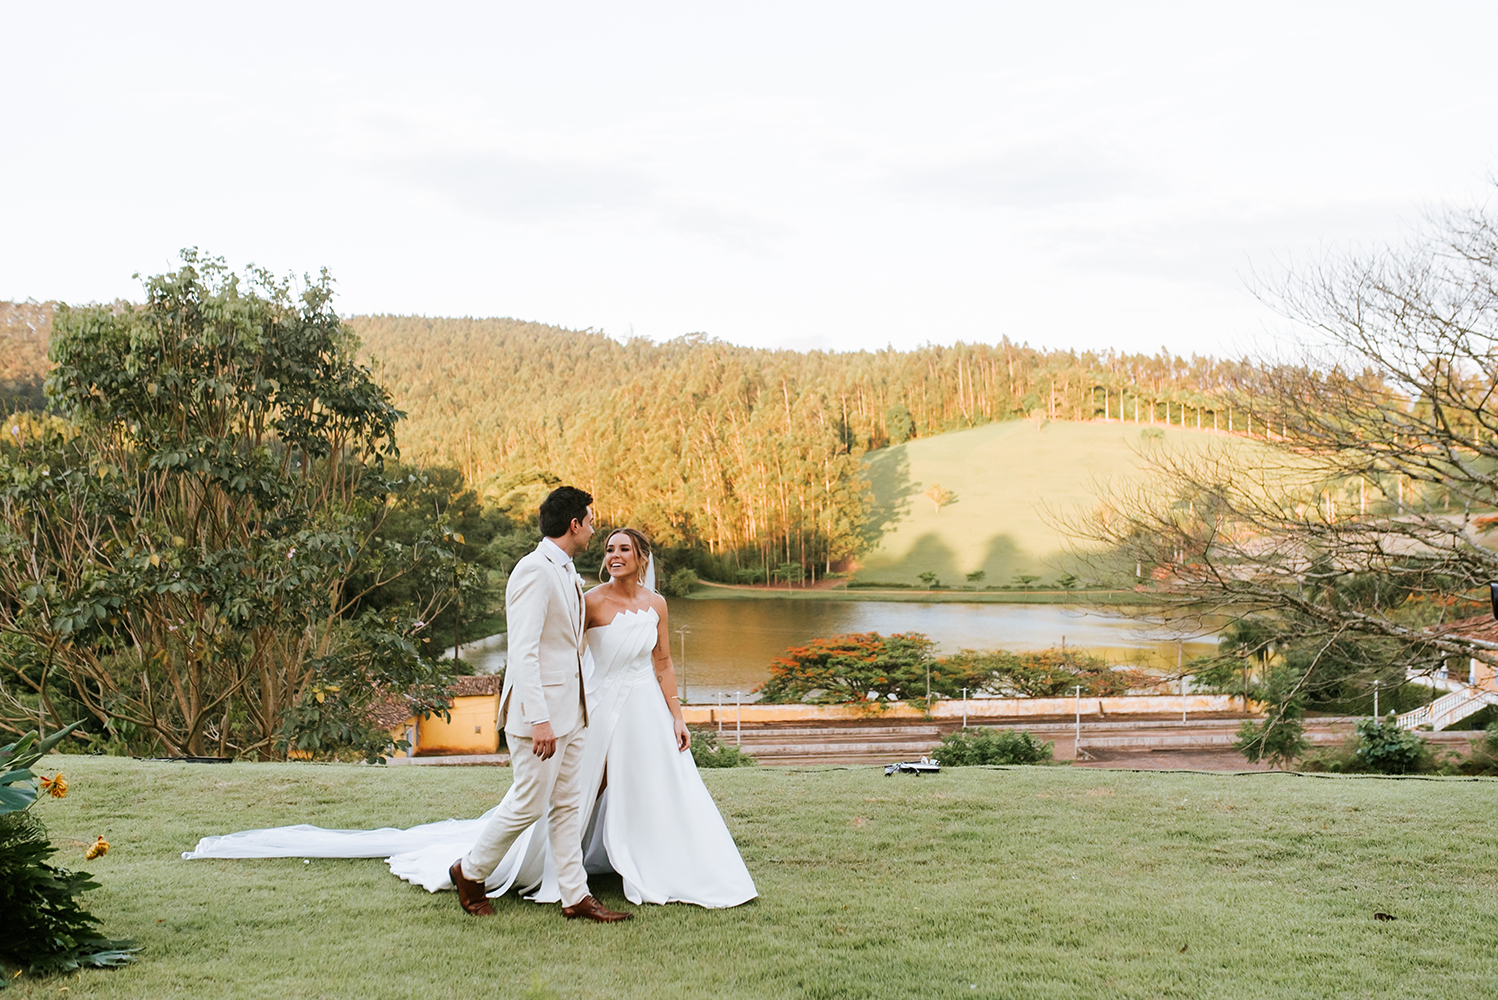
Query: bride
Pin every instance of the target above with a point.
(646, 813)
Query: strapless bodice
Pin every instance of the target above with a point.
(623, 646)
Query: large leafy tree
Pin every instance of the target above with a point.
(174, 557)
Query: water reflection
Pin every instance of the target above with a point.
(729, 644)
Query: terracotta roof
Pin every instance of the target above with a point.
(390, 713)
(479, 684)
(394, 711)
(1483, 627)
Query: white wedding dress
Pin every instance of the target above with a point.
(655, 824)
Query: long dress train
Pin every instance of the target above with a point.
(655, 823)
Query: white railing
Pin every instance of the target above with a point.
(1448, 709)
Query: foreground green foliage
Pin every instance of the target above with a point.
(1045, 883)
(45, 929)
(991, 746)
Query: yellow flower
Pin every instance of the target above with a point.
(56, 787)
(97, 849)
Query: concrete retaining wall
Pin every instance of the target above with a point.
(977, 709)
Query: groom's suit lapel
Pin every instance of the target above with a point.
(572, 594)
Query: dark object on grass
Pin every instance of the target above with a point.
(923, 766)
(1384, 916)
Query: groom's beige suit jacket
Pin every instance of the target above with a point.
(543, 672)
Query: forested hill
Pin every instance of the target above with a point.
(731, 448)
(24, 330)
(710, 446)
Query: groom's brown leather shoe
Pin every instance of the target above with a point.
(470, 891)
(593, 910)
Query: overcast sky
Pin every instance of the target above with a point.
(836, 175)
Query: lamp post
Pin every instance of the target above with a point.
(684, 632)
(1181, 668)
(1077, 740)
(1375, 699)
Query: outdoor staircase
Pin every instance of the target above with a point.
(1448, 709)
(833, 744)
(884, 744)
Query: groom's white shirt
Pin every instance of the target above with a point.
(543, 672)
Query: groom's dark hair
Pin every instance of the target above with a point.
(561, 507)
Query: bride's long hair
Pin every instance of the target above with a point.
(642, 552)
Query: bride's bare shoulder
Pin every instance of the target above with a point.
(658, 603)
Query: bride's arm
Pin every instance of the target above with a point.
(665, 673)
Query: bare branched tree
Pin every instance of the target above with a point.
(1360, 523)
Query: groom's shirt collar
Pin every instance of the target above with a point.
(553, 551)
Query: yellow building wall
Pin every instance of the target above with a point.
(474, 728)
(1481, 675)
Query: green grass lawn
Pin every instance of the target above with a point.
(1035, 883)
(1005, 476)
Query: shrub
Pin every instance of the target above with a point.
(708, 752)
(1385, 748)
(1381, 747)
(1280, 739)
(1484, 756)
(991, 746)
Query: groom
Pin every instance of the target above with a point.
(545, 713)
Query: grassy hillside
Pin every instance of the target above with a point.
(1003, 477)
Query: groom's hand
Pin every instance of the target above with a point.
(543, 740)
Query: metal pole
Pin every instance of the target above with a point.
(738, 718)
(1077, 740)
(964, 708)
(1375, 699)
(720, 715)
(683, 632)
(1180, 666)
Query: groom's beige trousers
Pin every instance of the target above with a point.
(537, 783)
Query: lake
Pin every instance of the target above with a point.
(730, 643)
